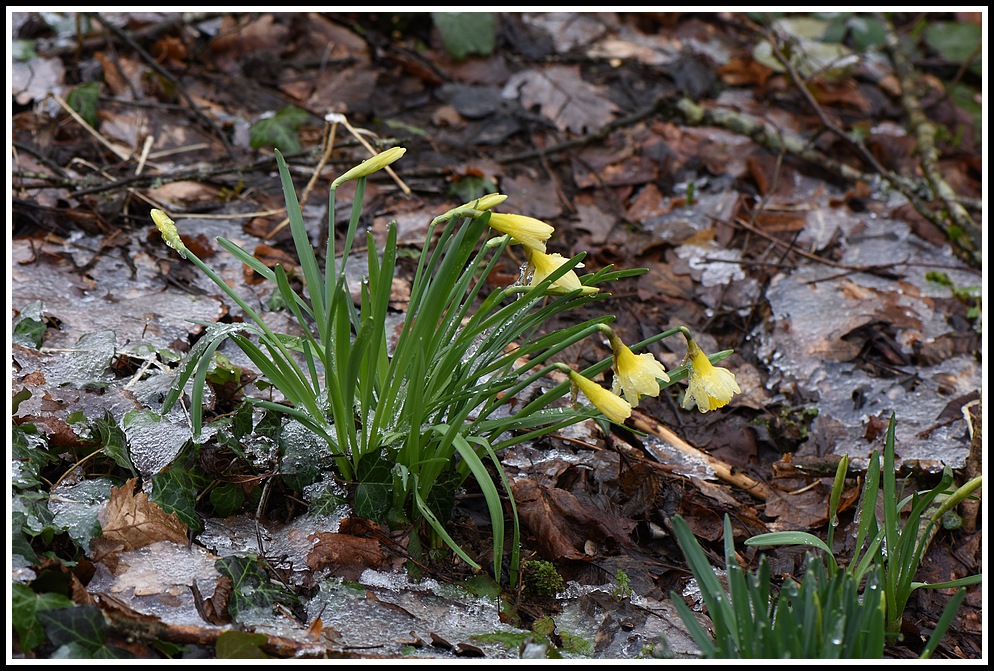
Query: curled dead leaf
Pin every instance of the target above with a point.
(131, 521)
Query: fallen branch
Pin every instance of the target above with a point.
(724, 471)
(966, 233)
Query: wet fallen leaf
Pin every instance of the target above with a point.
(343, 554)
(562, 525)
(132, 520)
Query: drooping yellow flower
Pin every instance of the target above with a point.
(635, 375)
(371, 165)
(611, 405)
(546, 264)
(530, 232)
(709, 386)
(167, 227)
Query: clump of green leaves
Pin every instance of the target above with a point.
(832, 612)
(624, 589)
(888, 545)
(823, 616)
(407, 422)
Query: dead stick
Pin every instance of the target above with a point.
(925, 133)
(726, 472)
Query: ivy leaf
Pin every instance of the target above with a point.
(29, 326)
(79, 632)
(279, 130)
(954, 41)
(25, 605)
(176, 488)
(83, 99)
(465, 33)
(372, 495)
(227, 499)
(252, 590)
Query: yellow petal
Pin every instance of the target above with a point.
(371, 165)
(635, 375)
(546, 264)
(710, 387)
(612, 406)
(530, 232)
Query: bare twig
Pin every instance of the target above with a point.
(329, 146)
(724, 471)
(120, 152)
(966, 238)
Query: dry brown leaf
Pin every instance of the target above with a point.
(344, 552)
(562, 524)
(132, 521)
(563, 96)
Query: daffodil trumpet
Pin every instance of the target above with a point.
(635, 375)
(709, 386)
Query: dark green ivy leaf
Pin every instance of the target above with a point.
(25, 605)
(83, 99)
(252, 589)
(465, 33)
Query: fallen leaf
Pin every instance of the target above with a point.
(564, 97)
(562, 525)
(132, 520)
(344, 554)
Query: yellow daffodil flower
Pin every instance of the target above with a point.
(371, 165)
(528, 231)
(546, 264)
(167, 227)
(635, 375)
(709, 386)
(612, 406)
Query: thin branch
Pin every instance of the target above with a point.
(925, 134)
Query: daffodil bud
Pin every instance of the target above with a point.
(167, 227)
(612, 406)
(371, 165)
(530, 232)
(546, 264)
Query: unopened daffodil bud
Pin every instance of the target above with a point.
(611, 405)
(635, 375)
(546, 264)
(487, 202)
(167, 227)
(528, 231)
(709, 386)
(371, 165)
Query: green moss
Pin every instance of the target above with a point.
(542, 579)
(576, 645)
